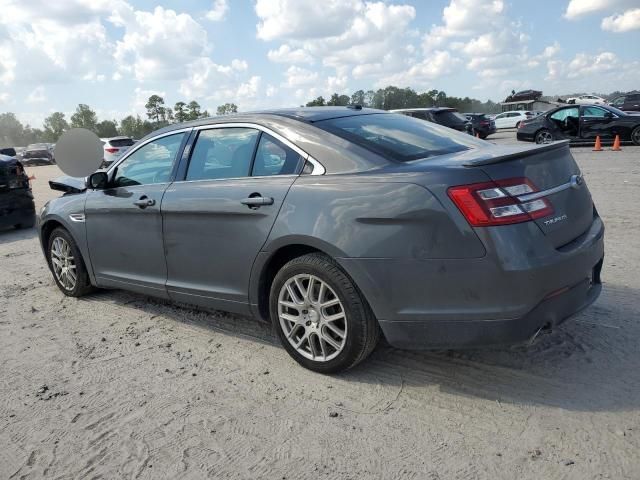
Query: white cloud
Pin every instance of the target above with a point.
(157, 45)
(37, 95)
(578, 8)
(435, 65)
(304, 19)
(629, 20)
(297, 76)
(285, 54)
(218, 11)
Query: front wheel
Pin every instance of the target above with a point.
(65, 261)
(544, 136)
(322, 320)
(635, 136)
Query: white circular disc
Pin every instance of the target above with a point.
(79, 152)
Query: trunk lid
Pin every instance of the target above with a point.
(550, 168)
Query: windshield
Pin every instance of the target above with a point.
(398, 137)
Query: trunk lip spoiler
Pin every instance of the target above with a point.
(504, 157)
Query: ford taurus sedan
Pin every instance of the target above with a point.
(338, 225)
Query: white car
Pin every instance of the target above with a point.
(587, 100)
(114, 147)
(511, 119)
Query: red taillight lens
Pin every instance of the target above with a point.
(521, 124)
(497, 203)
(111, 150)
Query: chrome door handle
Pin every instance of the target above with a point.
(144, 202)
(257, 202)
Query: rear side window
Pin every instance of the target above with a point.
(121, 142)
(274, 158)
(398, 137)
(633, 97)
(560, 115)
(449, 117)
(222, 153)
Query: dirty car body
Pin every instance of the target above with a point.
(451, 241)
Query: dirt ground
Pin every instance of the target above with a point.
(116, 385)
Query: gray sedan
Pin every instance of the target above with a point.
(338, 225)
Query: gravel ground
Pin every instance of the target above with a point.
(116, 385)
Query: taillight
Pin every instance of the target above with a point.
(111, 150)
(521, 124)
(496, 203)
(484, 123)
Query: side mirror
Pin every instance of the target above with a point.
(98, 181)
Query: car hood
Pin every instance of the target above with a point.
(69, 184)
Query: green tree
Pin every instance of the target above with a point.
(54, 126)
(179, 112)
(11, 131)
(358, 98)
(135, 127)
(84, 117)
(226, 109)
(155, 108)
(107, 128)
(338, 100)
(193, 110)
(318, 102)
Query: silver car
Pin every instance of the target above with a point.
(337, 225)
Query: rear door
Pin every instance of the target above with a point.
(218, 218)
(596, 121)
(548, 168)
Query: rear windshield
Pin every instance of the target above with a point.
(398, 137)
(448, 116)
(121, 142)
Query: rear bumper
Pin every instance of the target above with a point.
(469, 334)
(524, 137)
(521, 285)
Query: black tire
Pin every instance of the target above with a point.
(483, 137)
(542, 133)
(363, 331)
(635, 136)
(82, 284)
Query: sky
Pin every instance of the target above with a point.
(113, 54)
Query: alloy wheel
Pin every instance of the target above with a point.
(63, 263)
(544, 137)
(635, 136)
(312, 317)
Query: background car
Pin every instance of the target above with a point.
(114, 147)
(38, 154)
(338, 224)
(629, 102)
(481, 124)
(587, 100)
(17, 208)
(449, 117)
(511, 119)
(580, 124)
(8, 151)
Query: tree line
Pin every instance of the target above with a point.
(14, 133)
(390, 98)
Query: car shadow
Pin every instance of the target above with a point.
(11, 234)
(590, 363)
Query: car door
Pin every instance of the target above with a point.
(596, 121)
(501, 120)
(632, 102)
(218, 218)
(565, 122)
(123, 221)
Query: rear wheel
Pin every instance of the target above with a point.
(544, 136)
(322, 320)
(67, 266)
(635, 136)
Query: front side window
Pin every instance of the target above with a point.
(274, 158)
(398, 137)
(151, 163)
(222, 153)
(561, 115)
(619, 101)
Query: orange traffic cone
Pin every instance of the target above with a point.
(598, 146)
(616, 144)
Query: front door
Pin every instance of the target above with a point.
(218, 218)
(596, 121)
(123, 221)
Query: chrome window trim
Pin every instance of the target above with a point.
(137, 146)
(318, 168)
